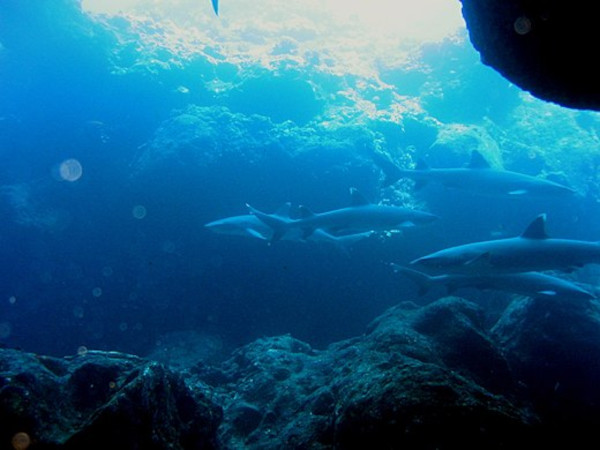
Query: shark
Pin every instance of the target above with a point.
(249, 225)
(360, 216)
(533, 250)
(478, 176)
(530, 284)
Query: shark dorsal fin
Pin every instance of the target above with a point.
(536, 229)
(478, 161)
(305, 212)
(357, 199)
(284, 210)
(421, 165)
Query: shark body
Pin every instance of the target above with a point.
(360, 216)
(530, 284)
(249, 225)
(533, 250)
(478, 177)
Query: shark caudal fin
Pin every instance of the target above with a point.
(536, 229)
(422, 280)
(277, 223)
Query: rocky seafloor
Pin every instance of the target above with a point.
(421, 377)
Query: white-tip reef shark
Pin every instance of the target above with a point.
(360, 216)
(530, 284)
(478, 176)
(215, 5)
(533, 250)
(249, 225)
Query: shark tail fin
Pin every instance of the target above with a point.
(422, 280)
(276, 223)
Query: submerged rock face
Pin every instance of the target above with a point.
(545, 47)
(430, 377)
(101, 400)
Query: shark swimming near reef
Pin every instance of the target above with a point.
(477, 177)
(360, 216)
(249, 225)
(533, 250)
(530, 284)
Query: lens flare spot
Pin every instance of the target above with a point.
(70, 170)
(21, 441)
(139, 211)
(522, 25)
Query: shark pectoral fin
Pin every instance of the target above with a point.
(477, 259)
(407, 224)
(518, 192)
(215, 5)
(252, 232)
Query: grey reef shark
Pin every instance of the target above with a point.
(530, 284)
(533, 250)
(360, 216)
(249, 225)
(478, 176)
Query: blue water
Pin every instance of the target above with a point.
(118, 258)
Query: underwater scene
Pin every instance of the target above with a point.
(288, 225)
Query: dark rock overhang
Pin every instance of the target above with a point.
(548, 48)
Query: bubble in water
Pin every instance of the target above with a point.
(522, 25)
(12, 299)
(123, 326)
(78, 312)
(97, 292)
(70, 170)
(139, 211)
(107, 271)
(82, 350)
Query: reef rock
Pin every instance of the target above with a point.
(420, 378)
(101, 400)
(545, 47)
(428, 377)
(553, 347)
